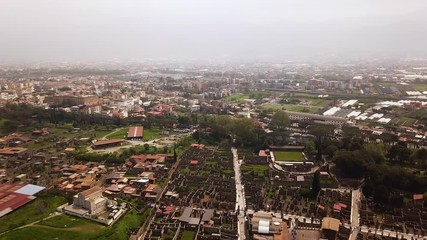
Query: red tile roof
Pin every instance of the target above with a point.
(90, 191)
(337, 207)
(10, 200)
(418, 196)
(262, 153)
(136, 132)
(107, 142)
(342, 205)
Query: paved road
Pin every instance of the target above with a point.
(240, 195)
(354, 216)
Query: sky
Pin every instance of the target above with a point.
(99, 30)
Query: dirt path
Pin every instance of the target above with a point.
(34, 223)
(108, 134)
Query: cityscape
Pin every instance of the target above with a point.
(218, 144)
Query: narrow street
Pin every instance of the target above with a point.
(240, 195)
(354, 216)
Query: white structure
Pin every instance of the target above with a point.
(91, 200)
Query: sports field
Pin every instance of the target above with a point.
(289, 156)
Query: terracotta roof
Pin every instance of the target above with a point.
(106, 142)
(195, 145)
(90, 191)
(418, 196)
(12, 150)
(136, 132)
(342, 205)
(262, 153)
(337, 207)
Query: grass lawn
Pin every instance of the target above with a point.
(38, 209)
(289, 156)
(187, 235)
(291, 107)
(99, 133)
(40, 145)
(419, 87)
(65, 221)
(151, 133)
(211, 163)
(2, 120)
(86, 231)
(320, 102)
(120, 229)
(120, 134)
(237, 98)
(258, 169)
(67, 227)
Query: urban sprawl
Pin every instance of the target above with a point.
(167, 150)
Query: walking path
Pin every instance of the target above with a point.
(54, 214)
(354, 216)
(240, 195)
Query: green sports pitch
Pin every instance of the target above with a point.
(288, 156)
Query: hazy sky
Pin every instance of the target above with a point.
(82, 30)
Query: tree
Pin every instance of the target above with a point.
(310, 147)
(165, 149)
(315, 186)
(351, 132)
(376, 151)
(64, 89)
(319, 148)
(10, 126)
(381, 194)
(279, 121)
(352, 164)
(330, 150)
(400, 153)
(196, 135)
(318, 129)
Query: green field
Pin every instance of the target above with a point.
(419, 87)
(319, 102)
(187, 235)
(237, 98)
(289, 156)
(291, 107)
(36, 210)
(152, 133)
(258, 169)
(119, 134)
(67, 227)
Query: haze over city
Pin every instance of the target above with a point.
(213, 119)
(81, 30)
